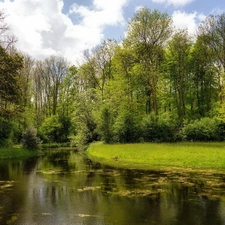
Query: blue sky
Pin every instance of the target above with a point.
(68, 27)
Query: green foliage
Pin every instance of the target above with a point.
(83, 119)
(5, 132)
(205, 129)
(127, 128)
(113, 95)
(30, 140)
(85, 132)
(10, 91)
(83, 137)
(106, 126)
(55, 129)
(155, 129)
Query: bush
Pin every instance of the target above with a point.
(106, 126)
(205, 129)
(155, 129)
(6, 132)
(85, 131)
(126, 128)
(30, 140)
(55, 129)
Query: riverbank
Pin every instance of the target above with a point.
(16, 152)
(164, 156)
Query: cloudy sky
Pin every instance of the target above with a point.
(68, 27)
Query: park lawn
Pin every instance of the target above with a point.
(16, 152)
(165, 156)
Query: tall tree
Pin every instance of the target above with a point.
(39, 93)
(26, 81)
(178, 67)
(102, 59)
(147, 34)
(10, 89)
(212, 31)
(205, 78)
(56, 71)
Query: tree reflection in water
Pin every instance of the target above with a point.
(64, 187)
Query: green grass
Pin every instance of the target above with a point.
(166, 156)
(16, 152)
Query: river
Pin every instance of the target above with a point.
(66, 188)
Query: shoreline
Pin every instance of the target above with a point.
(185, 156)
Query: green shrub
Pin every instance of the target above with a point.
(127, 128)
(6, 132)
(85, 131)
(105, 127)
(205, 129)
(155, 129)
(30, 140)
(55, 129)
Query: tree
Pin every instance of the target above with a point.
(25, 82)
(49, 76)
(40, 93)
(68, 90)
(30, 140)
(56, 70)
(178, 68)
(98, 66)
(106, 125)
(205, 78)
(10, 89)
(147, 33)
(212, 31)
(6, 40)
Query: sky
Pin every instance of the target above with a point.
(69, 27)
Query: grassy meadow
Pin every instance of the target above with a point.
(16, 152)
(191, 155)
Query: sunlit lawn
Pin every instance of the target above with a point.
(15, 152)
(162, 156)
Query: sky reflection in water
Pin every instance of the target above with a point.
(67, 188)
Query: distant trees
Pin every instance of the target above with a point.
(158, 84)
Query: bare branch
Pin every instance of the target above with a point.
(6, 40)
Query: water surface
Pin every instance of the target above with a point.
(64, 187)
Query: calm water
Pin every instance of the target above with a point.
(64, 187)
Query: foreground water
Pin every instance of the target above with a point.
(65, 188)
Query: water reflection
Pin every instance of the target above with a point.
(64, 187)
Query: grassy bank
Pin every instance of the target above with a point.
(16, 152)
(161, 156)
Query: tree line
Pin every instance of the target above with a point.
(157, 84)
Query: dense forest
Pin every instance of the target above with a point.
(157, 84)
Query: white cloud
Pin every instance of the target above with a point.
(137, 8)
(173, 2)
(189, 21)
(104, 13)
(43, 30)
